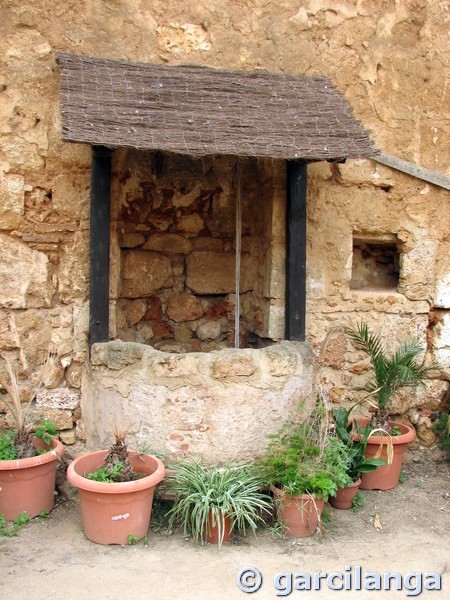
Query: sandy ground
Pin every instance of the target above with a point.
(52, 559)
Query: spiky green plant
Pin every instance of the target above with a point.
(404, 368)
(204, 496)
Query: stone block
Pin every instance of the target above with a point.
(430, 398)
(53, 374)
(236, 364)
(74, 373)
(143, 273)
(154, 309)
(145, 333)
(184, 307)
(60, 398)
(135, 311)
(168, 243)
(80, 431)
(209, 330)
(116, 355)
(191, 223)
(442, 294)
(73, 278)
(8, 337)
(24, 275)
(68, 437)
(12, 201)
(214, 273)
(131, 240)
(61, 419)
(208, 243)
(281, 363)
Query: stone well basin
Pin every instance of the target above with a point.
(219, 405)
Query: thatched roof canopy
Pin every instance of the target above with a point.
(200, 111)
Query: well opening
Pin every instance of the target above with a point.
(173, 251)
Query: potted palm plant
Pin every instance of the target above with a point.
(404, 368)
(116, 488)
(27, 458)
(211, 502)
(304, 465)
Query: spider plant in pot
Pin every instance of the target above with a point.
(27, 457)
(404, 368)
(358, 463)
(211, 501)
(116, 488)
(304, 465)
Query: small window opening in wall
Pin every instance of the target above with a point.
(375, 265)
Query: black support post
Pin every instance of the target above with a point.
(296, 251)
(99, 245)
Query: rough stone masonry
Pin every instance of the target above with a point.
(388, 58)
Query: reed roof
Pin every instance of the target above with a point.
(199, 111)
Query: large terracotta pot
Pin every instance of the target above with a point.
(387, 476)
(28, 484)
(213, 537)
(300, 514)
(344, 496)
(111, 512)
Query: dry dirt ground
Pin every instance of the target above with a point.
(52, 559)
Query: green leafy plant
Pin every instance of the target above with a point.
(132, 539)
(11, 530)
(205, 495)
(116, 467)
(22, 438)
(358, 502)
(305, 459)
(442, 428)
(105, 474)
(7, 449)
(358, 463)
(404, 368)
(46, 431)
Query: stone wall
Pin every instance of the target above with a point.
(174, 223)
(219, 405)
(389, 59)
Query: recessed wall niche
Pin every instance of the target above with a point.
(375, 264)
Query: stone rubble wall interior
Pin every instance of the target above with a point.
(173, 231)
(388, 58)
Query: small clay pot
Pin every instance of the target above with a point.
(300, 514)
(111, 512)
(344, 496)
(28, 484)
(213, 536)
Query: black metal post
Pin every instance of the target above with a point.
(99, 244)
(296, 251)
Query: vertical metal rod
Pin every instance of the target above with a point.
(237, 311)
(296, 251)
(99, 245)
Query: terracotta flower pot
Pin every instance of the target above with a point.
(111, 512)
(300, 514)
(213, 537)
(387, 476)
(344, 496)
(28, 484)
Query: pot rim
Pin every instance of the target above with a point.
(281, 493)
(34, 461)
(121, 487)
(408, 435)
